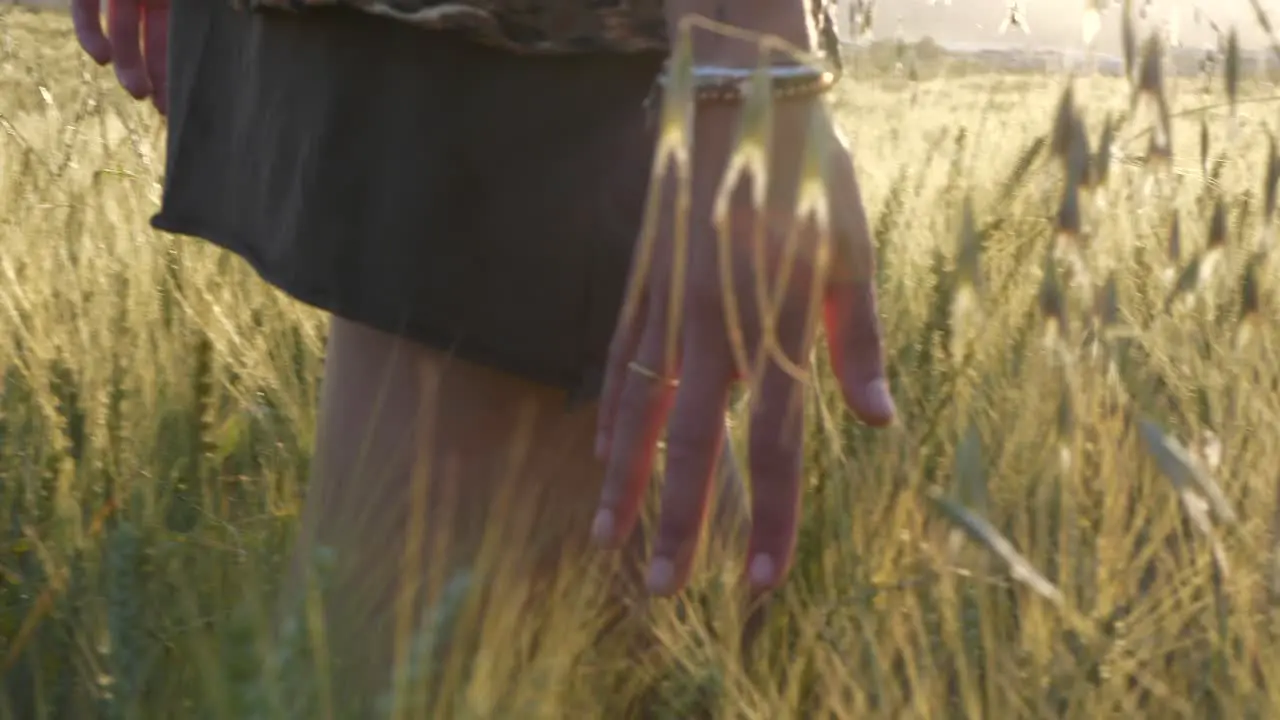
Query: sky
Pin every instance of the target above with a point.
(1057, 23)
(1054, 23)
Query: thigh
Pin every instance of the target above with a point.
(426, 466)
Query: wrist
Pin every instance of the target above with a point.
(787, 20)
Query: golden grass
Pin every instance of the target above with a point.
(156, 411)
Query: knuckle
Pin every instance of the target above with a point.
(865, 331)
(612, 493)
(777, 466)
(775, 457)
(773, 523)
(604, 424)
(634, 401)
(619, 349)
(678, 528)
(689, 444)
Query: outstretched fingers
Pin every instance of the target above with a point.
(155, 48)
(86, 18)
(622, 350)
(851, 315)
(775, 453)
(124, 24)
(857, 357)
(695, 438)
(639, 389)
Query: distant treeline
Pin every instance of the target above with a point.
(925, 58)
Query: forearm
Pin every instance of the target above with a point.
(786, 19)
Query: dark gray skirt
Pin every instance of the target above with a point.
(468, 199)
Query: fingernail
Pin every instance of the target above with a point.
(135, 84)
(879, 401)
(761, 572)
(602, 528)
(662, 576)
(100, 52)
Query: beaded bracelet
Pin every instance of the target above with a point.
(715, 84)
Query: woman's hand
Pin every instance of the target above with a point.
(136, 42)
(839, 291)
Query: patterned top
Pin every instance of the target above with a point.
(532, 26)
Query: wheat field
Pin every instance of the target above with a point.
(1075, 517)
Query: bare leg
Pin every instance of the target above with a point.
(417, 454)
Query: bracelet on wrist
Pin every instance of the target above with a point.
(716, 84)
(721, 84)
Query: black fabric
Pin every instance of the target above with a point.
(468, 199)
